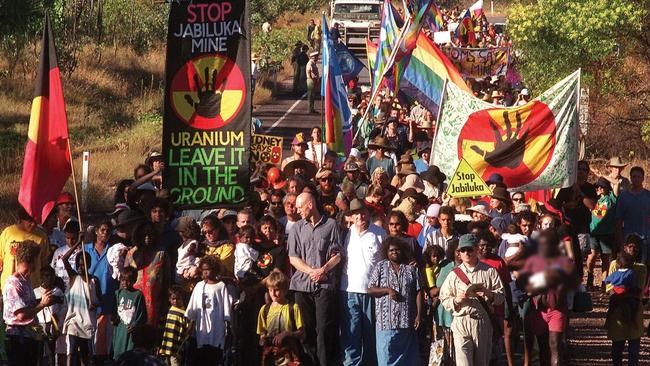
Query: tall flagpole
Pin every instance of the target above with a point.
(435, 136)
(76, 198)
(391, 60)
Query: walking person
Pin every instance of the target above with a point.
(315, 251)
(470, 292)
(362, 252)
(313, 80)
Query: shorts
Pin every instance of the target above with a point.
(545, 321)
(583, 240)
(603, 244)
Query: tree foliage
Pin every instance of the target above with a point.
(555, 37)
(268, 11)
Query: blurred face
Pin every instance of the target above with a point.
(547, 223)
(27, 225)
(425, 156)
(392, 129)
(208, 273)
(526, 227)
(304, 208)
(126, 282)
(468, 255)
(276, 294)
(636, 178)
(484, 248)
(328, 162)
(432, 221)
(243, 219)
(615, 171)
(71, 238)
(517, 198)
(140, 173)
(229, 224)
(65, 209)
(211, 233)
(544, 247)
(394, 253)
(268, 231)
(477, 216)
(276, 206)
(360, 219)
(176, 301)
(316, 134)
(294, 187)
(631, 249)
(157, 215)
(353, 175)
(327, 184)
(495, 203)
(299, 149)
(102, 233)
(446, 222)
(600, 191)
(394, 228)
(290, 206)
(245, 238)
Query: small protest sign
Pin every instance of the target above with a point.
(466, 182)
(266, 149)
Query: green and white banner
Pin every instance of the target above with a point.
(534, 146)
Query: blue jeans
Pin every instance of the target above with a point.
(633, 347)
(357, 329)
(397, 347)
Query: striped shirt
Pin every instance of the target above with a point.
(437, 238)
(176, 327)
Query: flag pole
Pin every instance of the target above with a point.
(76, 198)
(391, 60)
(435, 136)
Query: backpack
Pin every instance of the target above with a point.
(291, 352)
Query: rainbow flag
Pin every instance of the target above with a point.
(407, 43)
(434, 19)
(388, 34)
(371, 54)
(424, 78)
(338, 129)
(465, 30)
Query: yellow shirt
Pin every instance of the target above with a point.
(225, 253)
(277, 319)
(9, 240)
(431, 275)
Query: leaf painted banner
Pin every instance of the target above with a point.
(534, 146)
(479, 63)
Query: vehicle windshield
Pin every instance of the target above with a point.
(357, 11)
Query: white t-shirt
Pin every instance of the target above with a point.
(186, 258)
(80, 321)
(361, 254)
(244, 257)
(57, 263)
(309, 154)
(209, 308)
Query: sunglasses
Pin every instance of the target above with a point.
(276, 203)
(327, 179)
(517, 199)
(466, 250)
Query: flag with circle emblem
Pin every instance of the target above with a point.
(534, 146)
(46, 167)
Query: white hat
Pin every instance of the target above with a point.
(315, 53)
(482, 209)
(525, 92)
(433, 210)
(355, 152)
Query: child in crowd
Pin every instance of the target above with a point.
(82, 298)
(625, 294)
(279, 323)
(71, 232)
(187, 264)
(51, 316)
(131, 312)
(433, 256)
(245, 255)
(210, 310)
(177, 329)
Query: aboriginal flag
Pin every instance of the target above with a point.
(47, 156)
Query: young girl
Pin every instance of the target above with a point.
(216, 243)
(80, 320)
(210, 309)
(279, 323)
(187, 263)
(245, 255)
(433, 256)
(131, 312)
(51, 316)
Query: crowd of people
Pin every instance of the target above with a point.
(356, 260)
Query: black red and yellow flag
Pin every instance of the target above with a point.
(47, 156)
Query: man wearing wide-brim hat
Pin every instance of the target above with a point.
(424, 152)
(298, 147)
(434, 181)
(618, 181)
(500, 203)
(380, 145)
(361, 250)
(479, 212)
(353, 175)
(302, 168)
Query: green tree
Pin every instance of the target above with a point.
(555, 37)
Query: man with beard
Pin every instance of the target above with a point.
(276, 209)
(327, 191)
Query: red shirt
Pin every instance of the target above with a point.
(414, 229)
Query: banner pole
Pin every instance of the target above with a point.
(391, 60)
(435, 136)
(76, 198)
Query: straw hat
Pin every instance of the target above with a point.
(426, 124)
(413, 181)
(482, 209)
(406, 158)
(407, 169)
(355, 206)
(407, 207)
(497, 94)
(617, 162)
(380, 142)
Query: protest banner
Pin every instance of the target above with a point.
(442, 37)
(479, 62)
(466, 182)
(266, 149)
(534, 146)
(207, 115)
